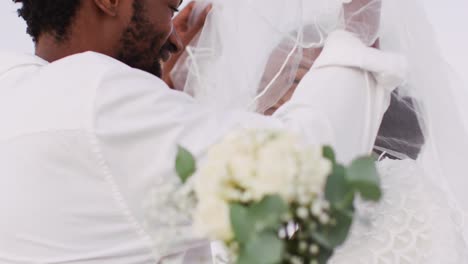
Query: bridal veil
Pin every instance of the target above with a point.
(250, 53)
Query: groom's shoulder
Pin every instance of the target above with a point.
(90, 72)
(65, 93)
(95, 58)
(97, 69)
(88, 64)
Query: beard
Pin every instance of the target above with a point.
(140, 44)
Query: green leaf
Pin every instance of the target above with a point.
(240, 222)
(332, 236)
(321, 238)
(339, 232)
(363, 176)
(267, 213)
(324, 256)
(265, 248)
(185, 164)
(249, 221)
(329, 154)
(337, 188)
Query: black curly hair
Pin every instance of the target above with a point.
(48, 16)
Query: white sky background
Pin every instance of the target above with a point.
(449, 17)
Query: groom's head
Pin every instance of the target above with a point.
(137, 32)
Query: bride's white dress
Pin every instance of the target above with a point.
(412, 224)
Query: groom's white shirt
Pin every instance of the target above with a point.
(84, 139)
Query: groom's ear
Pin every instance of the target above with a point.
(109, 7)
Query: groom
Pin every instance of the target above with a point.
(89, 129)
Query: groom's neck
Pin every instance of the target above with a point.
(51, 49)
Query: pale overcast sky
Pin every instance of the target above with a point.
(449, 17)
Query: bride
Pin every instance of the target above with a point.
(251, 55)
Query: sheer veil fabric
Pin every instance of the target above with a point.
(253, 53)
(437, 97)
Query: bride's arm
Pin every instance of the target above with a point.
(362, 18)
(350, 84)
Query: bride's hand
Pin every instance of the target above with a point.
(187, 32)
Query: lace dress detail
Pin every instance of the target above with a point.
(412, 224)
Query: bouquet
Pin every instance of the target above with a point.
(273, 200)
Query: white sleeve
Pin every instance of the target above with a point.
(139, 122)
(349, 86)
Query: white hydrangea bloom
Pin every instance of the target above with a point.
(276, 167)
(314, 170)
(212, 219)
(248, 165)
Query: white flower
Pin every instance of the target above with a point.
(302, 246)
(277, 168)
(302, 212)
(324, 218)
(314, 249)
(316, 208)
(314, 170)
(242, 169)
(212, 219)
(249, 165)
